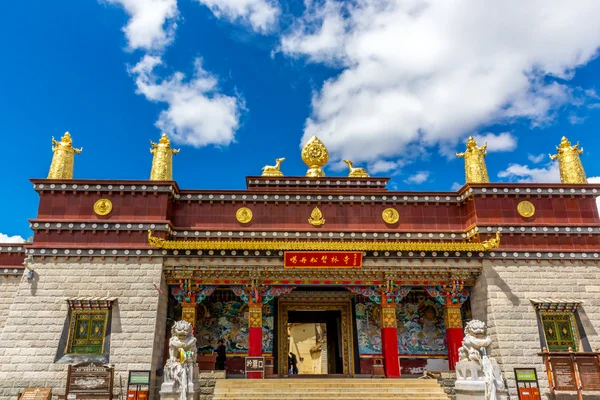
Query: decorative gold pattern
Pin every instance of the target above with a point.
(273, 170)
(390, 216)
(162, 162)
(571, 169)
(316, 217)
(321, 246)
(388, 317)
(255, 315)
(243, 215)
(188, 312)
(356, 172)
(315, 155)
(526, 209)
(308, 304)
(103, 207)
(453, 316)
(475, 169)
(63, 158)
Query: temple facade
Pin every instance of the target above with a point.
(352, 278)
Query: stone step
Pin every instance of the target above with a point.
(330, 389)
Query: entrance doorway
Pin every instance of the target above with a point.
(315, 342)
(317, 328)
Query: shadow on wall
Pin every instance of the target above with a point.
(504, 287)
(587, 324)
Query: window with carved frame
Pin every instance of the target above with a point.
(88, 326)
(559, 324)
(87, 331)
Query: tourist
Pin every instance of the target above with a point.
(221, 357)
(294, 362)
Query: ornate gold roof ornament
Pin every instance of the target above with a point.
(162, 162)
(571, 169)
(390, 216)
(273, 170)
(475, 169)
(243, 215)
(280, 245)
(63, 158)
(315, 155)
(316, 217)
(356, 172)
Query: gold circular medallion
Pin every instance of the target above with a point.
(390, 216)
(103, 207)
(243, 215)
(526, 209)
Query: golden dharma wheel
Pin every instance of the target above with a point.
(243, 215)
(390, 216)
(103, 207)
(526, 209)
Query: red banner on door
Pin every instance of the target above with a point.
(322, 259)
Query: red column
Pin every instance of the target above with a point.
(389, 339)
(255, 334)
(454, 331)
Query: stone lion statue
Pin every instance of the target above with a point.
(181, 369)
(476, 340)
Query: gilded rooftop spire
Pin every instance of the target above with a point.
(571, 169)
(315, 155)
(63, 158)
(162, 162)
(475, 169)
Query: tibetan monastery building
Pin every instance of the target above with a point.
(353, 278)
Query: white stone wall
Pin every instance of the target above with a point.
(501, 299)
(8, 287)
(29, 341)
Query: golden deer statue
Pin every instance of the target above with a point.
(356, 172)
(273, 170)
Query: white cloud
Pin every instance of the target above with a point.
(504, 141)
(260, 14)
(197, 114)
(595, 179)
(383, 166)
(419, 70)
(418, 178)
(575, 120)
(536, 159)
(456, 186)
(152, 23)
(523, 173)
(11, 239)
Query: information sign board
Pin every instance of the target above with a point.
(589, 373)
(89, 382)
(527, 384)
(564, 373)
(255, 364)
(36, 394)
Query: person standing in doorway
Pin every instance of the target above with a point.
(221, 356)
(294, 362)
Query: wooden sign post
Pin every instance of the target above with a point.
(89, 382)
(572, 372)
(255, 364)
(36, 394)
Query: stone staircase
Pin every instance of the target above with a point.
(328, 389)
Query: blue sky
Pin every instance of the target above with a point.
(396, 85)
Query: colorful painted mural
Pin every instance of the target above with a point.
(228, 320)
(420, 327)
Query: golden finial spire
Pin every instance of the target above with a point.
(162, 162)
(571, 169)
(315, 155)
(63, 158)
(475, 169)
